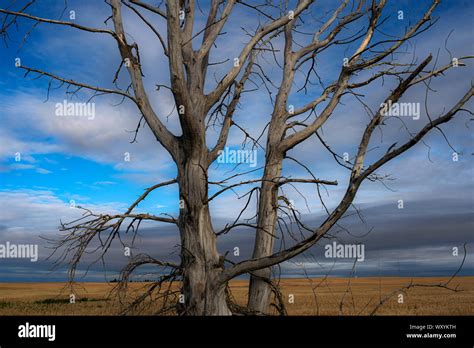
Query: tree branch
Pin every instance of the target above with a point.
(354, 184)
(149, 7)
(215, 95)
(53, 21)
(78, 84)
(162, 134)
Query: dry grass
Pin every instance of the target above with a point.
(359, 299)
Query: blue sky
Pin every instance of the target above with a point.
(64, 159)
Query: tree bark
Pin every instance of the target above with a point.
(202, 290)
(259, 289)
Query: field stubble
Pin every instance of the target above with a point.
(360, 298)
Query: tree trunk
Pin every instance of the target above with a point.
(259, 289)
(203, 294)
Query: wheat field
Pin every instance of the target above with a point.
(330, 296)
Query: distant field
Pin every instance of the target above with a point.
(359, 299)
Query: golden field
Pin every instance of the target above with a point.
(359, 298)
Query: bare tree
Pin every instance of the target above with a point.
(202, 271)
(283, 121)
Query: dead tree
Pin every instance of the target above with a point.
(286, 130)
(202, 271)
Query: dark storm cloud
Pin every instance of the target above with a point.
(415, 241)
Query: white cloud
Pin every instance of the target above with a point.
(30, 213)
(43, 171)
(105, 139)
